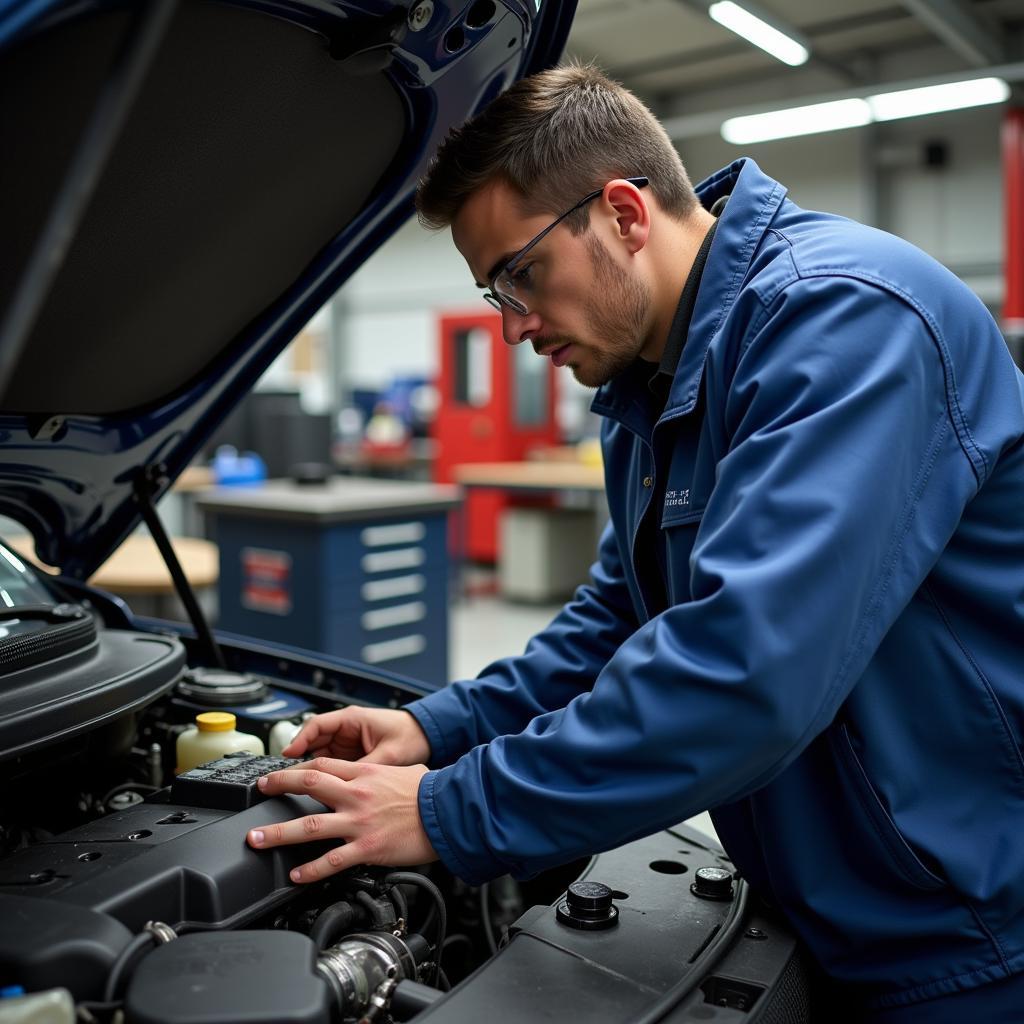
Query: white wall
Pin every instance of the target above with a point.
(387, 311)
(386, 314)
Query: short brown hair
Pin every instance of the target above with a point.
(554, 137)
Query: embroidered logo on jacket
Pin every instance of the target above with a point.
(677, 499)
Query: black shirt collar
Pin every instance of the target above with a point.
(661, 382)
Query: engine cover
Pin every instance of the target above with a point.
(78, 898)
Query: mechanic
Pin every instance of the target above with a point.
(806, 611)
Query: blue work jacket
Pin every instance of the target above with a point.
(831, 657)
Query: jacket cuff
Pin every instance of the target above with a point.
(430, 726)
(431, 821)
(429, 712)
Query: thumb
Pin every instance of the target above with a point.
(387, 752)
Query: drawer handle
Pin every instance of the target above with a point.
(394, 586)
(396, 615)
(393, 533)
(391, 650)
(385, 561)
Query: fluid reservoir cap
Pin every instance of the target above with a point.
(218, 686)
(215, 721)
(712, 884)
(588, 905)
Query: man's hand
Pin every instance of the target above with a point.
(375, 735)
(372, 807)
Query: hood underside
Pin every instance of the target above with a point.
(190, 182)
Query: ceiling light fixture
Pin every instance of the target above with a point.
(759, 31)
(856, 112)
(888, 106)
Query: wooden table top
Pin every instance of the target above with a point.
(553, 476)
(137, 568)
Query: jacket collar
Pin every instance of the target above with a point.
(753, 200)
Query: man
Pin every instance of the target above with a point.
(806, 610)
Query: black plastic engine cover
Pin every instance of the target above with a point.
(114, 673)
(245, 977)
(188, 867)
(552, 971)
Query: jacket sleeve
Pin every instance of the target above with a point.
(559, 663)
(845, 476)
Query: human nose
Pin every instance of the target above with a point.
(518, 327)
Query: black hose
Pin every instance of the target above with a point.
(485, 917)
(400, 904)
(379, 916)
(424, 883)
(124, 960)
(701, 964)
(330, 922)
(442, 981)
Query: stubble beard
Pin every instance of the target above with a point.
(616, 319)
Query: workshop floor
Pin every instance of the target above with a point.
(485, 627)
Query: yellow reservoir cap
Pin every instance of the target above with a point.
(215, 721)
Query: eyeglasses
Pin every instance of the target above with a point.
(512, 285)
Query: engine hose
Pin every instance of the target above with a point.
(708, 957)
(126, 959)
(424, 883)
(400, 904)
(331, 922)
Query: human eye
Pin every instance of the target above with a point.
(522, 276)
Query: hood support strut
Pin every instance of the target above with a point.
(144, 489)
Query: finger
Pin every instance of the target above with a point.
(318, 782)
(337, 767)
(329, 825)
(339, 859)
(315, 732)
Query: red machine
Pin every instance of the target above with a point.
(497, 403)
(1013, 217)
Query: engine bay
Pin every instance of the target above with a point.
(127, 897)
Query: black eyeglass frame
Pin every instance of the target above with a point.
(497, 298)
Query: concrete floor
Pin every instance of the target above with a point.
(485, 627)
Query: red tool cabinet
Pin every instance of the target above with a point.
(497, 403)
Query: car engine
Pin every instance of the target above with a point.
(128, 896)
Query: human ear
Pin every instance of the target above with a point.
(625, 204)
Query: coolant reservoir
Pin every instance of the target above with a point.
(281, 735)
(213, 736)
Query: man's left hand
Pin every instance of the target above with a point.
(371, 806)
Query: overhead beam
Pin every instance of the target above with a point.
(960, 29)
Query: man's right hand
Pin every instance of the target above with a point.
(375, 735)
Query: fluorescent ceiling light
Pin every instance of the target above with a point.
(784, 124)
(855, 112)
(752, 28)
(888, 106)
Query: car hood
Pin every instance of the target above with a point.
(185, 185)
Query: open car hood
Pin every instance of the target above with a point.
(185, 185)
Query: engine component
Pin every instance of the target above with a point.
(712, 883)
(45, 943)
(221, 687)
(213, 735)
(358, 966)
(228, 783)
(588, 905)
(241, 977)
(72, 694)
(54, 1006)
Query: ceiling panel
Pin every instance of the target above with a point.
(661, 47)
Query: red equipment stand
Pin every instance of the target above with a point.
(1013, 216)
(497, 403)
